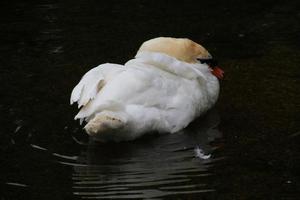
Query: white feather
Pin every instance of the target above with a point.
(92, 82)
(153, 92)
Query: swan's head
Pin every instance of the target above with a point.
(181, 48)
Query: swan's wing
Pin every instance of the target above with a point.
(92, 82)
(144, 87)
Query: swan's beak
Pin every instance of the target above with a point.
(218, 72)
(213, 65)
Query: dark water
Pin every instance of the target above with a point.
(246, 148)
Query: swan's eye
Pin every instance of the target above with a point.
(210, 62)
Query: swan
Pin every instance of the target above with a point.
(169, 83)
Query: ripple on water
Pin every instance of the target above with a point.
(148, 168)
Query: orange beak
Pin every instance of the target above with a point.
(218, 72)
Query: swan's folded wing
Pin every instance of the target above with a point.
(92, 82)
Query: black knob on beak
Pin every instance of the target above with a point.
(210, 62)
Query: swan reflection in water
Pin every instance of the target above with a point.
(151, 167)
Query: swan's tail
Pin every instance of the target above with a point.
(104, 123)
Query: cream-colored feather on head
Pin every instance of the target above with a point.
(181, 48)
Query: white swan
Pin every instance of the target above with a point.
(162, 89)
